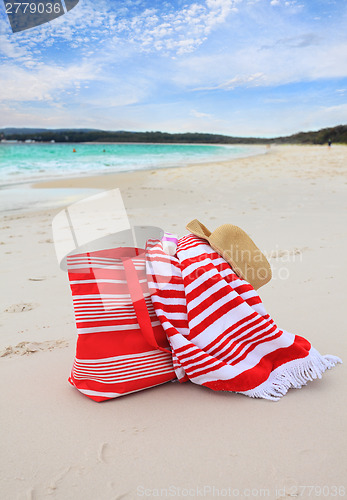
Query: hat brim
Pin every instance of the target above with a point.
(238, 249)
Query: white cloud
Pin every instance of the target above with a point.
(328, 116)
(301, 40)
(181, 31)
(43, 83)
(199, 114)
(61, 117)
(250, 66)
(76, 28)
(293, 5)
(166, 30)
(12, 49)
(255, 80)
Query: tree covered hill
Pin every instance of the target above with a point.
(335, 134)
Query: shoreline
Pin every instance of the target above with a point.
(244, 164)
(198, 164)
(54, 193)
(57, 191)
(165, 163)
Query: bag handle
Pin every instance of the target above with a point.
(139, 304)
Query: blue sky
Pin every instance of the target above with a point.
(238, 67)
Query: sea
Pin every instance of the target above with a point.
(22, 164)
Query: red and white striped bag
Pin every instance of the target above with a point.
(121, 346)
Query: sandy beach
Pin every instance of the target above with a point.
(182, 440)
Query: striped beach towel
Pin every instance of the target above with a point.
(220, 334)
(121, 346)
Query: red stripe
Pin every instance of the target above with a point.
(121, 387)
(195, 353)
(161, 306)
(247, 337)
(243, 288)
(197, 370)
(202, 287)
(95, 323)
(205, 304)
(184, 348)
(199, 373)
(258, 374)
(251, 301)
(176, 323)
(222, 311)
(163, 257)
(172, 294)
(253, 345)
(231, 277)
(229, 337)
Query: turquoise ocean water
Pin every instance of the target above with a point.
(20, 162)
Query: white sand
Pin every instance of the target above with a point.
(56, 443)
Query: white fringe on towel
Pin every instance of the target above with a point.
(293, 375)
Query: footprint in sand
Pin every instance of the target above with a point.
(279, 254)
(24, 348)
(49, 240)
(105, 453)
(22, 307)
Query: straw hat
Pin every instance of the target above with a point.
(237, 248)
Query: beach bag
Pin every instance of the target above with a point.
(121, 346)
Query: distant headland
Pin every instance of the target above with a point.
(336, 134)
